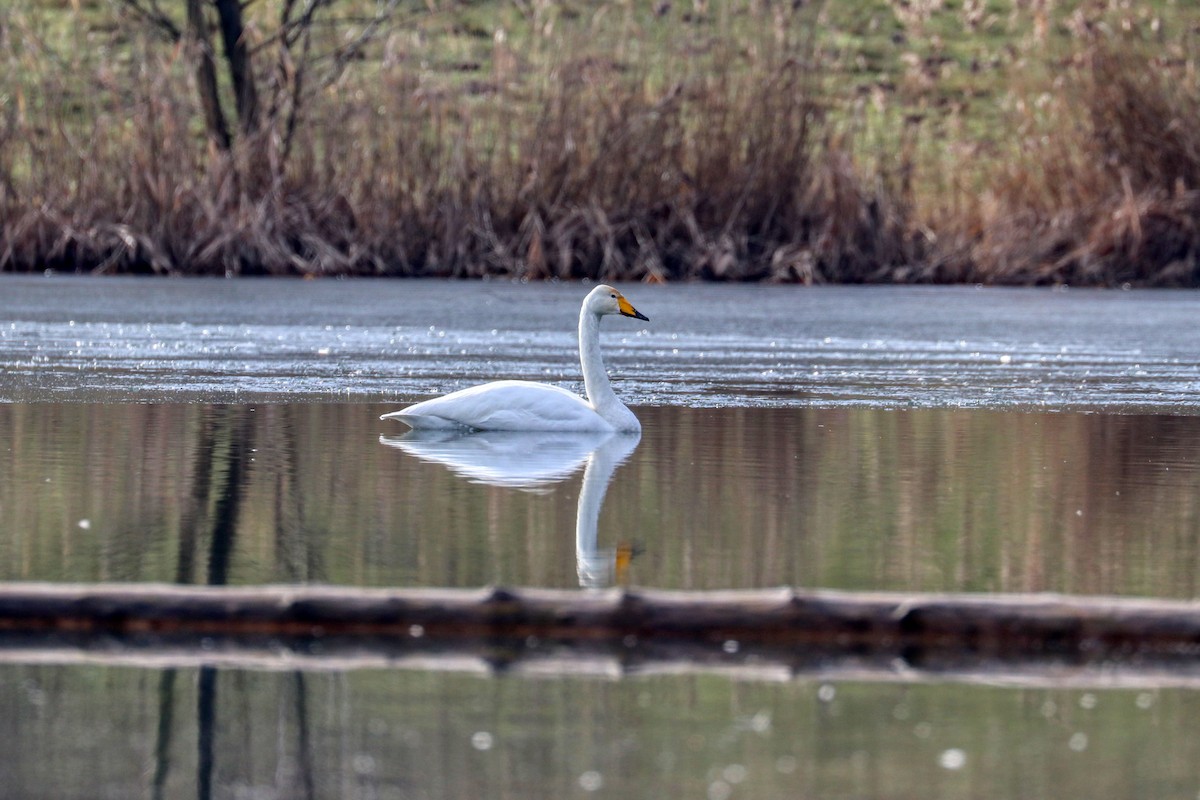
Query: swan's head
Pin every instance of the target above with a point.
(607, 300)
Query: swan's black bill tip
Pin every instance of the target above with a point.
(638, 315)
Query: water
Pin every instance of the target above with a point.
(911, 439)
(397, 734)
(847, 498)
(125, 340)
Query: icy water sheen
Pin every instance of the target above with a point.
(858, 438)
(706, 345)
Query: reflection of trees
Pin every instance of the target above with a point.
(224, 441)
(925, 499)
(210, 515)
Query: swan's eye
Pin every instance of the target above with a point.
(613, 296)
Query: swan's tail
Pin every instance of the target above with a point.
(422, 422)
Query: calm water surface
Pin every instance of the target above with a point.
(103, 732)
(921, 500)
(906, 439)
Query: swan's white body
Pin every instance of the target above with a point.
(529, 406)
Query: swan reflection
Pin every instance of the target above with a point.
(535, 461)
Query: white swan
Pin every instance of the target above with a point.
(529, 406)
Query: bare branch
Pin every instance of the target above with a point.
(290, 28)
(297, 92)
(343, 55)
(150, 12)
(285, 14)
(303, 23)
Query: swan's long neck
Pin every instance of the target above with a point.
(595, 379)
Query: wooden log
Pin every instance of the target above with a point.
(796, 632)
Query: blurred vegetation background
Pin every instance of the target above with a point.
(991, 141)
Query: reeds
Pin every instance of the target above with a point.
(742, 164)
(1102, 186)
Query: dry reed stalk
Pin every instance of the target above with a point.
(1104, 197)
(603, 170)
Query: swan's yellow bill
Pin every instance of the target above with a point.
(628, 310)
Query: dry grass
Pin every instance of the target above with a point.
(607, 168)
(1102, 186)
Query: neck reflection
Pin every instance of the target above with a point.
(537, 461)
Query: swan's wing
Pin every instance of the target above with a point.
(505, 406)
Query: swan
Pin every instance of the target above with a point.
(530, 406)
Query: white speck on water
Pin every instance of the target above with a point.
(826, 693)
(591, 781)
(481, 740)
(730, 646)
(1078, 742)
(1145, 700)
(84, 524)
(1087, 700)
(719, 790)
(734, 773)
(952, 759)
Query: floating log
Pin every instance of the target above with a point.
(776, 633)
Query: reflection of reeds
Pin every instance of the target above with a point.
(749, 161)
(925, 500)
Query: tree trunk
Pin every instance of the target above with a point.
(206, 75)
(237, 56)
